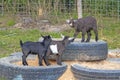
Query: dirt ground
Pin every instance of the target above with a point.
(104, 64)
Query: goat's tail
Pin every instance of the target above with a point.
(21, 43)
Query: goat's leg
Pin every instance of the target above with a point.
(96, 34)
(58, 59)
(40, 59)
(75, 34)
(83, 36)
(46, 60)
(24, 62)
(46, 56)
(88, 36)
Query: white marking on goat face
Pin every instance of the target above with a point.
(71, 24)
(54, 49)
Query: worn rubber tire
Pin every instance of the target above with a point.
(85, 51)
(11, 71)
(82, 73)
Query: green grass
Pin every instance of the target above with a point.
(109, 31)
(9, 39)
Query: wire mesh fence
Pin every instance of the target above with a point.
(58, 10)
(106, 11)
(109, 8)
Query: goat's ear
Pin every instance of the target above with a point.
(68, 21)
(49, 36)
(40, 39)
(62, 36)
(74, 20)
(65, 39)
(42, 36)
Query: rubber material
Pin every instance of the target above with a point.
(11, 71)
(82, 73)
(85, 51)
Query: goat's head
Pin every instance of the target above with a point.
(47, 39)
(66, 40)
(71, 22)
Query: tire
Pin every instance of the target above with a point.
(85, 51)
(11, 71)
(82, 73)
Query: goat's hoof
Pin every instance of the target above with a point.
(59, 64)
(40, 64)
(48, 64)
(96, 40)
(87, 41)
(25, 64)
(82, 40)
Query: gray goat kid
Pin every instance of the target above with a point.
(61, 45)
(84, 25)
(37, 48)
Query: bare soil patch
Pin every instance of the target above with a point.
(114, 55)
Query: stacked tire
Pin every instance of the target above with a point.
(85, 51)
(82, 73)
(10, 71)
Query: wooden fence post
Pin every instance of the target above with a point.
(79, 8)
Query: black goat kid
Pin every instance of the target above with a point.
(84, 25)
(61, 45)
(38, 48)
